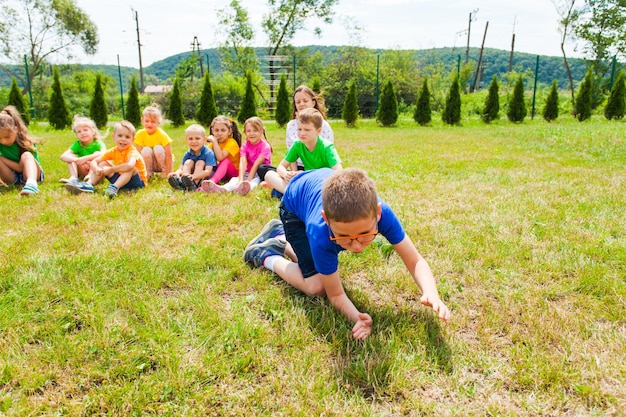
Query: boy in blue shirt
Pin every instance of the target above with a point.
(322, 213)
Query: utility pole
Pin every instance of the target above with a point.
(472, 17)
(512, 45)
(480, 58)
(141, 86)
(195, 47)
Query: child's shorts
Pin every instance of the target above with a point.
(134, 183)
(20, 180)
(295, 233)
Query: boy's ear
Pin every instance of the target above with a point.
(379, 211)
(324, 217)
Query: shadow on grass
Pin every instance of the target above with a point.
(404, 340)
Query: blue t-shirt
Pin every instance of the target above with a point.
(205, 155)
(303, 197)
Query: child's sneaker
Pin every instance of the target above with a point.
(188, 184)
(272, 229)
(243, 188)
(209, 186)
(76, 187)
(266, 184)
(111, 191)
(175, 183)
(256, 254)
(65, 180)
(29, 189)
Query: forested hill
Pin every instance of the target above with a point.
(495, 61)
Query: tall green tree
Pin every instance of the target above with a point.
(551, 108)
(175, 113)
(350, 111)
(583, 105)
(283, 103)
(43, 28)
(17, 100)
(387, 114)
(452, 111)
(248, 105)
(285, 18)
(316, 86)
(492, 102)
(237, 54)
(98, 106)
(569, 14)
(615, 105)
(58, 114)
(133, 112)
(517, 106)
(423, 112)
(207, 110)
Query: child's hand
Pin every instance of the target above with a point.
(437, 305)
(363, 327)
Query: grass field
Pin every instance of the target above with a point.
(143, 305)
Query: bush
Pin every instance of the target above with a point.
(583, 102)
(615, 105)
(350, 111)
(248, 107)
(423, 112)
(175, 113)
(17, 100)
(492, 103)
(452, 111)
(133, 113)
(98, 106)
(551, 109)
(207, 110)
(387, 114)
(58, 114)
(517, 106)
(283, 103)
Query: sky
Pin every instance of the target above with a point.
(399, 24)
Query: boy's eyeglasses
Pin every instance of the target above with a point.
(347, 240)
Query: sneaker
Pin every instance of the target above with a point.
(272, 229)
(188, 183)
(266, 184)
(243, 188)
(76, 187)
(111, 191)
(29, 189)
(175, 183)
(65, 180)
(209, 186)
(256, 254)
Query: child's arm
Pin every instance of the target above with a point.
(337, 167)
(255, 167)
(243, 164)
(219, 152)
(88, 158)
(69, 156)
(285, 174)
(338, 298)
(423, 277)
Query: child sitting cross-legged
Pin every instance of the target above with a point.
(198, 162)
(86, 148)
(122, 165)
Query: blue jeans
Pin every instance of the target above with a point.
(295, 233)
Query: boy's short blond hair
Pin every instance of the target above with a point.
(195, 128)
(124, 124)
(311, 115)
(349, 195)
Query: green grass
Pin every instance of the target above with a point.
(143, 305)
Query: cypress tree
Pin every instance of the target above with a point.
(98, 107)
(316, 85)
(387, 114)
(350, 111)
(615, 105)
(517, 106)
(58, 114)
(176, 105)
(133, 113)
(248, 107)
(582, 107)
(492, 103)
(17, 100)
(551, 109)
(207, 110)
(283, 103)
(423, 112)
(452, 111)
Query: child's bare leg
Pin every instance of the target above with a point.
(199, 166)
(148, 157)
(7, 169)
(188, 167)
(30, 167)
(159, 158)
(72, 167)
(276, 181)
(290, 272)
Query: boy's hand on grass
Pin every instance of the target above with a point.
(437, 305)
(363, 327)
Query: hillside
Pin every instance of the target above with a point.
(496, 61)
